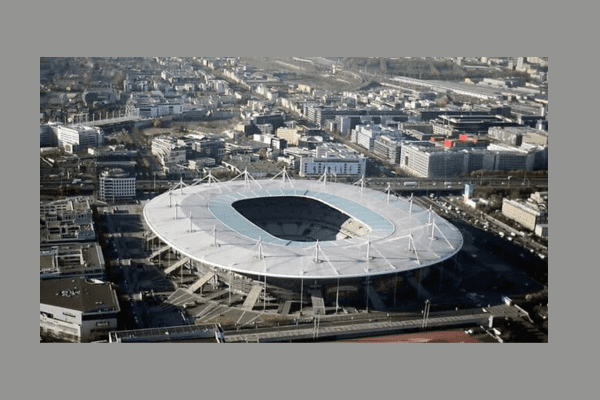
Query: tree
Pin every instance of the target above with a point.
(383, 65)
(221, 173)
(262, 153)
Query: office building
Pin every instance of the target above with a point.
(425, 159)
(388, 147)
(333, 159)
(78, 310)
(199, 146)
(527, 213)
(318, 113)
(72, 260)
(365, 135)
(116, 184)
(78, 137)
(517, 135)
(170, 151)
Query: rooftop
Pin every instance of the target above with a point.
(200, 222)
(79, 294)
(71, 258)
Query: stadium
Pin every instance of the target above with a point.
(297, 240)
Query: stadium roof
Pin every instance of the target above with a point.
(200, 222)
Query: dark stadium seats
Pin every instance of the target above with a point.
(299, 219)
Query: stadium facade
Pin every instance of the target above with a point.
(302, 238)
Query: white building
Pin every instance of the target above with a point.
(424, 159)
(116, 184)
(365, 135)
(529, 213)
(152, 105)
(333, 159)
(77, 310)
(169, 151)
(78, 137)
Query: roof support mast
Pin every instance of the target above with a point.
(388, 190)
(215, 244)
(316, 259)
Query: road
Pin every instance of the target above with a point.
(455, 210)
(443, 185)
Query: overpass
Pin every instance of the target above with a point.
(321, 330)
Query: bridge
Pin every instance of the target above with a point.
(252, 297)
(200, 282)
(320, 329)
(318, 305)
(112, 121)
(176, 265)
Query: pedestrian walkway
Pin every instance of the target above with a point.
(159, 251)
(318, 305)
(313, 331)
(176, 265)
(286, 307)
(252, 297)
(200, 282)
(375, 299)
